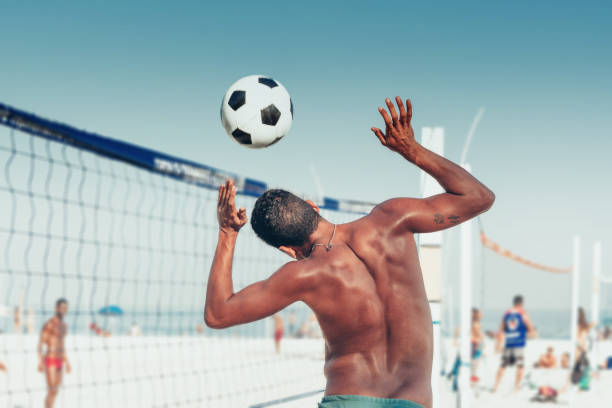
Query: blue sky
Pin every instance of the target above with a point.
(154, 74)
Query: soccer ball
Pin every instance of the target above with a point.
(257, 111)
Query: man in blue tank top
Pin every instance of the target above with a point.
(515, 328)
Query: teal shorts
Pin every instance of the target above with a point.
(361, 401)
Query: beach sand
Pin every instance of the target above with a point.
(184, 371)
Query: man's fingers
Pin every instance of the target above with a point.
(403, 114)
(392, 110)
(229, 190)
(220, 198)
(386, 117)
(379, 135)
(409, 108)
(232, 196)
(223, 195)
(226, 190)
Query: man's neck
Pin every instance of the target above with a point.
(322, 234)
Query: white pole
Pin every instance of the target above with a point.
(575, 291)
(595, 297)
(430, 256)
(596, 283)
(465, 391)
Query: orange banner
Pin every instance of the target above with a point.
(493, 246)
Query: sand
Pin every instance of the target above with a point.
(126, 371)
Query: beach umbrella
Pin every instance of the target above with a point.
(111, 310)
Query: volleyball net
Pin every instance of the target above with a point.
(126, 235)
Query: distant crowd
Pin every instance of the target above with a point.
(511, 340)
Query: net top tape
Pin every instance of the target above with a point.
(167, 165)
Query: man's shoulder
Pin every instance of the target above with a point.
(394, 204)
(298, 271)
(49, 324)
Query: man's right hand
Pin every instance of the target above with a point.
(229, 218)
(41, 366)
(398, 135)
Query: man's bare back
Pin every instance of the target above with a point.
(362, 279)
(368, 281)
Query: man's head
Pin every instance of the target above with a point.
(61, 307)
(550, 350)
(517, 301)
(284, 220)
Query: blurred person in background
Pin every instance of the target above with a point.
(477, 342)
(278, 332)
(30, 322)
(547, 360)
(565, 358)
(52, 360)
(515, 328)
(584, 336)
(17, 320)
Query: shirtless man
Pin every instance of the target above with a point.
(52, 337)
(362, 279)
(547, 360)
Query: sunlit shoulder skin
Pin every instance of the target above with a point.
(366, 288)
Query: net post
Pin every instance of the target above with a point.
(596, 283)
(595, 295)
(430, 257)
(465, 392)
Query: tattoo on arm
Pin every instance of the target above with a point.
(454, 219)
(439, 219)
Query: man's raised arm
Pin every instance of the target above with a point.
(465, 197)
(225, 308)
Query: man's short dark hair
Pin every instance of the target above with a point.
(60, 301)
(281, 218)
(518, 300)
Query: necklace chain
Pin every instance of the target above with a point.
(327, 246)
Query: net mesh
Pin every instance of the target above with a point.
(101, 232)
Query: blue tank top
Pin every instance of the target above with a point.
(515, 329)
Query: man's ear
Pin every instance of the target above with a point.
(289, 251)
(313, 205)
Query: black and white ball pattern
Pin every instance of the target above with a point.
(257, 111)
